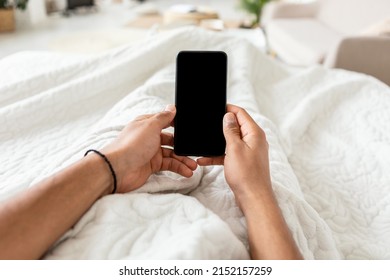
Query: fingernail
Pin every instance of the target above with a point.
(170, 108)
(229, 118)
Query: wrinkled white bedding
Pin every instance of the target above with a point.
(329, 136)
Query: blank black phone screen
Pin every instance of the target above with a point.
(201, 80)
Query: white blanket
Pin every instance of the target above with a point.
(328, 131)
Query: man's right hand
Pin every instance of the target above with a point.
(246, 160)
(247, 173)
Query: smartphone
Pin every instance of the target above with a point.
(201, 82)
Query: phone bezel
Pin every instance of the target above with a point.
(204, 153)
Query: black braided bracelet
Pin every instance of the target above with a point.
(109, 165)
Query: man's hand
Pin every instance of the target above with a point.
(246, 160)
(247, 173)
(137, 152)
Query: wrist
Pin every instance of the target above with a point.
(121, 164)
(98, 168)
(254, 196)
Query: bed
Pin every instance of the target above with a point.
(329, 147)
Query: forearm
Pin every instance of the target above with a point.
(268, 233)
(35, 219)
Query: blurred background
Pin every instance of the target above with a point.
(90, 26)
(349, 34)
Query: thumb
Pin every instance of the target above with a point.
(165, 117)
(231, 129)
